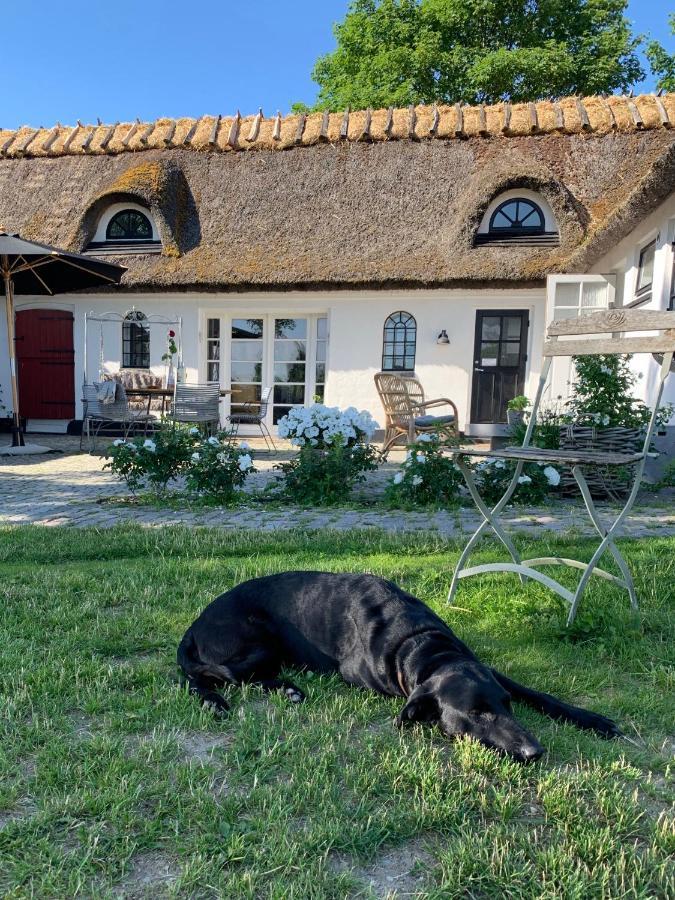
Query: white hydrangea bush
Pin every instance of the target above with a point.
(323, 426)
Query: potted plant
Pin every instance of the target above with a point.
(515, 410)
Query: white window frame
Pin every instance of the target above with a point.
(553, 281)
(268, 317)
(112, 210)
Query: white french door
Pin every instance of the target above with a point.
(287, 353)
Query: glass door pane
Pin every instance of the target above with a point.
(320, 363)
(246, 364)
(290, 361)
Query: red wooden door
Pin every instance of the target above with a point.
(46, 362)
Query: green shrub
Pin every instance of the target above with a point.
(492, 477)
(154, 461)
(217, 467)
(324, 476)
(426, 477)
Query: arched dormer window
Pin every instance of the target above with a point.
(399, 343)
(518, 217)
(135, 341)
(129, 225)
(125, 228)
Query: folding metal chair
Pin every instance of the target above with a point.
(254, 414)
(99, 416)
(609, 322)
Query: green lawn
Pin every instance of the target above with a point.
(114, 782)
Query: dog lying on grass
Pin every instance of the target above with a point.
(376, 636)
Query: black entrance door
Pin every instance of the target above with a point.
(500, 354)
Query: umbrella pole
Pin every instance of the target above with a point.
(17, 436)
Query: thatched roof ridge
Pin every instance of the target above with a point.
(570, 115)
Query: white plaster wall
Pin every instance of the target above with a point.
(355, 321)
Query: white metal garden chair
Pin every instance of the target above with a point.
(608, 324)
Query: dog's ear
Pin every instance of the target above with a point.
(422, 706)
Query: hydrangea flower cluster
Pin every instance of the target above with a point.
(320, 426)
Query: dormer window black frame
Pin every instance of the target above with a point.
(129, 225)
(129, 231)
(516, 217)
(517, 221)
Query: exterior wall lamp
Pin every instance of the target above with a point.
(443, 337)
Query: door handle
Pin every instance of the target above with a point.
(479, 370)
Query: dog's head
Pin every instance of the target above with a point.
(466, 699)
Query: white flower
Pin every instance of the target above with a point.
(213, 441)
(150, 445)
(195, 457)
(500, 464)
(222, 458)
(398, 477)
(244, 446)
(245, 462)
(194, 430)
(552, 476)
(524, 479)
(416, 480)
(605, 370)
(605, 420)
(119, 442)
(421, 458)
(425, 438)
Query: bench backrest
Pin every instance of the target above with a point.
(613, 323)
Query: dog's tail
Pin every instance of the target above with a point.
(202, 676)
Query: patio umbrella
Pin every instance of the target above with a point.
(30, 268)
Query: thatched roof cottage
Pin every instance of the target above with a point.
(309, 252)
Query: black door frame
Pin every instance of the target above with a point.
(476, 358)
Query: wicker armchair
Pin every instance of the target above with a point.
(406, 413)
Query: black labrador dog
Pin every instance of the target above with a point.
(376, 636)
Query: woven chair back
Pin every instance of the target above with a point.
(196, 403)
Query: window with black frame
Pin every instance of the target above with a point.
(129, 225)
(399, 342)
(645, 275)
(135, 341)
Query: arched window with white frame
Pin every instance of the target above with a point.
(399, 343)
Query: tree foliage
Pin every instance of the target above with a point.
(661, 62)
(397, 52)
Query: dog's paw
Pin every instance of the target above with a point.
(294, 694)
(602, 725)
(215, 704)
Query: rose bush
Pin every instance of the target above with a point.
(537, 480)
(426, 477)
(217, 468)
(213, 466)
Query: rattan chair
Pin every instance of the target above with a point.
(254, 414)
(197, 404)
(610, 322)
(114, 417)
(405, 411)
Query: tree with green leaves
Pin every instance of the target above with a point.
(397, 52)
(661, 62)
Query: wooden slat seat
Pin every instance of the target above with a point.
(568, 457)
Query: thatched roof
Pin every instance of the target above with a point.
(388, 197)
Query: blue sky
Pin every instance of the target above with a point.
(79, 59)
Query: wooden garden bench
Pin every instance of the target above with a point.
(612, 325)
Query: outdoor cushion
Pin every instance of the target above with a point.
(430, 421)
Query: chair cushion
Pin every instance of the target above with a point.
(430, 421)
(243, 419)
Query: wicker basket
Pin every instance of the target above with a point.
(605, 482)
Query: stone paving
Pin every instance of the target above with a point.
(66, 488)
